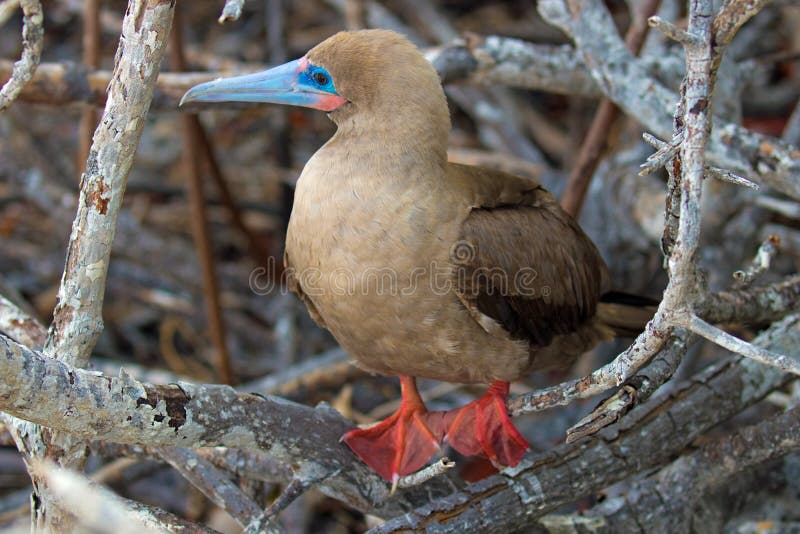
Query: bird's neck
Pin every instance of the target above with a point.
(394, 143)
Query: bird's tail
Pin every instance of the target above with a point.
(624, 313)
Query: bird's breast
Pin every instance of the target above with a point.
(374, 258)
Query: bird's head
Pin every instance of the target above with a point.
(360, 78)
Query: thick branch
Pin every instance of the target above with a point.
(77, 320)
(753, 306)
(93, 406)
(648, 437)
(665, 501)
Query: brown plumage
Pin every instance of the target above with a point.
(380, 197)
(420, 267)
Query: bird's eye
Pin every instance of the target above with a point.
(320, 77)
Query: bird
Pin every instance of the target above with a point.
(421, 267)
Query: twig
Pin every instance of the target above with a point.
(664, 153)
(214, 484)
(297, 487)
(756, 306)
(731, 177)
(634, 392)
(426, 473)
(257, 249)
(596, 141)
(613, 374)
(734, 344)
(199, 221)
(667, 151)
(32, 42)
(761, 262)
(232, 10)
(673, 32)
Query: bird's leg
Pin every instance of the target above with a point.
(400, 444)
(483, 428)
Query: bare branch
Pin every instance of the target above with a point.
(77, 319)
(761, 262)
(634, 392)
(125, 410)
(734, 344)
(625, 80)
(427, 473)
(759, 305)
(32, 42)
(673, 32)
(20, 326)
(649, 436)
(610, 375)
(505, 61)
(232, 10)
(731, 177)
(214, 484)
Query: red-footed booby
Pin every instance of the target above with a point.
(424, 268)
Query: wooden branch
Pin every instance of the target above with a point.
(626, 81)
(91, 58)
(78, 316)
(613, 374)
(125, 410)
(213, 483)
(20, 326)
(648, 437)
(32, 42)
(201, 232)
(786, 364)
(232, 10)
(77, 320)
(665, 501)
(251, 464)
(761, 262)
(60, 84)
(633, 392)
(756, 306)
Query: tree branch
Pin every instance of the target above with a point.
(648, 437)
(124, 410)
(32, 42)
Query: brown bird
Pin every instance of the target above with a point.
(424, 268)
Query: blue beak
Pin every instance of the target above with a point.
(279, 85)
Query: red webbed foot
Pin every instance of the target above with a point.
(483, 428)
(400, 444)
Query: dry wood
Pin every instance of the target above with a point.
(32, 41)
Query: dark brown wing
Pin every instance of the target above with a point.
(528, 266)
